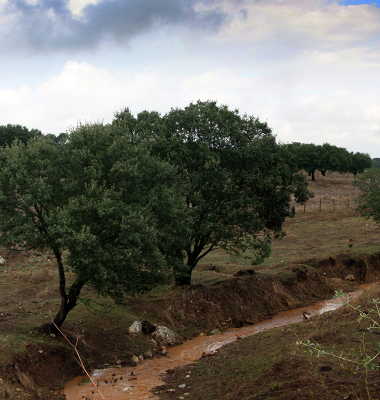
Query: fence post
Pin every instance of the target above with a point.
(320, 205)
(348, 203)
(334, 204)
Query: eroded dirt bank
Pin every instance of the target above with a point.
(40, 372)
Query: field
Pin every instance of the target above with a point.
(325, 242)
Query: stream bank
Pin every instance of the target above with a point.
(190, 311)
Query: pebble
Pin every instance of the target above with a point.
(182, 386)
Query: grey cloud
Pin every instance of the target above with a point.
(49, 25)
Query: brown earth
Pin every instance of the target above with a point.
(270, 365)
(37, 366)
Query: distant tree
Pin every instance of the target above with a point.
(8, 133)
(333, 158)
(368, 202)
(359, 162)
(376, 163)
(311, 157)
(102, 198)
(60, 139)
(237, 181)
(307, 157)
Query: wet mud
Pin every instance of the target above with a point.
(138, 382)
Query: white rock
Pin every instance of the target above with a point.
(164, 335)
(136, 327)
(135, 359)
(215, 332)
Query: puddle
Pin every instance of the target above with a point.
(135, 383)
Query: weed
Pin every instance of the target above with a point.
(352, 359)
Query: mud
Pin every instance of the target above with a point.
(189, 311)
(139, 381)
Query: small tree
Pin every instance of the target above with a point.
(368, 202)
(359, 162)
(333, 158)
(307, 157)
(102, 198)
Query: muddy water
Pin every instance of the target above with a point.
(136, 382)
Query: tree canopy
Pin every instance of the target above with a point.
(237, 182)
(9, 133)
(311, 157)
(103, 199)
(368, 202)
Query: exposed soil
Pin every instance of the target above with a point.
(37, 366)
(270, 365)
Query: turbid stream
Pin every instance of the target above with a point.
(135, 383)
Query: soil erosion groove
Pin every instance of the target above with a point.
(139, 381)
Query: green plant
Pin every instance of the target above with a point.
(365, 358)
(350, 247)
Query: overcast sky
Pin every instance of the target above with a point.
(310, 68)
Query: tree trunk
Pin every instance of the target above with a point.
(67, 304)
(323, 171)
(183, 276)
(313, 175)
(184, 279)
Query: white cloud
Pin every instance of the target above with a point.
(77, 6)
(310, 69)
(294, 20)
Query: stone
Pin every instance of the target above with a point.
(182, 386)
(350, 277)
(136, 327)
(215, 332)
(129, 363)
(135, 359)
(164, 335)
(148, 354)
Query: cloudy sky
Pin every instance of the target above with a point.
(310, 68)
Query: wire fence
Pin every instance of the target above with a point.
(324, 204)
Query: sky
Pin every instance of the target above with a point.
(309, 68)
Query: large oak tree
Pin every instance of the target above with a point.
(237, 182)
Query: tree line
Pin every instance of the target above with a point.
(311, 157)
(134, 203)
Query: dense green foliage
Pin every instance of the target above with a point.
(124, 205)
(237, 181)
(9, 133)
(311, 157)
(376, 163)
(101, 198)
(368, 203)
